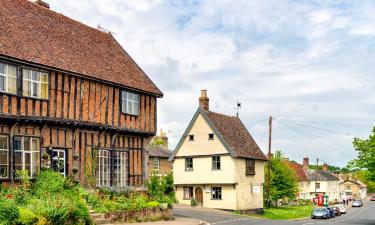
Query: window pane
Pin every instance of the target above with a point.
(2, 83)
(124, 106)
(18, 159)
(135, 108)
(35, 89)
(3, 158)
(3, 171)
(26, 144)
(17, 143)
(26, 74)
(44, 77)
(130, 109)
(3, 142)
(35, 76)
(2, 68)
(35, 144)
(123, 94)
(12, 85)
(44, 90)
(12, 71)
(26, 88)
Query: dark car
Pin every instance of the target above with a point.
(322, 213)
(357, 203)
(337, 211)
(331, 212)
(372, 198)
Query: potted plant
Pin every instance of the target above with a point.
(75, 170)
(45, 156)
(75, 157)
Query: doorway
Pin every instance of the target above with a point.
(199, 195)
(59, 161)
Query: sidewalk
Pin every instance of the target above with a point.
(177, 221)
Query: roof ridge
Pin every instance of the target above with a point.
(66, 17)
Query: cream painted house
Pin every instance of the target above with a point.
(218, 163)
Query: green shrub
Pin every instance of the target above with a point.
(48, 182)
(27, 217)
(8, 211)
(152, 204)
(193, 202)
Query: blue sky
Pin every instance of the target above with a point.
(307, 63)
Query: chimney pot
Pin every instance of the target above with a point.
(204, 101)
(305, 165)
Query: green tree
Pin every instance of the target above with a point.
(366, 155)
(283, 180)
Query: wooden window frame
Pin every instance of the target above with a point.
(188, 193)
(32, 81)
(7, 76)
(23, 151)
(216, 162)
(189, 166)
(250, 167)
(103, 158)
(156, 162)
(215, 195)
(6, 150)
(125, 101)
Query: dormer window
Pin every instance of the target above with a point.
(191, 137)
(8, 78)
(210, 136)
(35, 84)
(129, 102)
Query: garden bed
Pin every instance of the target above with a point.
(140, 215)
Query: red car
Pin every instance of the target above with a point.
(372, 198)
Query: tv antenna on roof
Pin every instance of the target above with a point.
(105, 30)
(238, 107)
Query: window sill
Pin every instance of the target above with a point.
(36, 98)
(187, 198)
(189, 170)
(7, 93)
(215, 169)
(216, 199)
(129, 114)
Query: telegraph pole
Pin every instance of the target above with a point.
(316, 176)
(268, 202)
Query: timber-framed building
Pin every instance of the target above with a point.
(70, 98)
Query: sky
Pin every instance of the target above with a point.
(308, 64)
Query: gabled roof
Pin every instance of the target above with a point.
(231, 132)
(299, 171)
(158, 151)
(322, 175)
(35, 34)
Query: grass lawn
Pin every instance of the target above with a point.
(287, 213)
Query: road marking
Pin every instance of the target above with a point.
(229, 221)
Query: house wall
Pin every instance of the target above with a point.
(201, 145)
(228, 201)
(353, 187)
(249, 189)
(80, 99)
(330, 188)
(202, 172)
(165, 166)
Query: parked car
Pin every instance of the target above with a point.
(372, 198)
(342, 208)
(357, 203)
(337, 211)
(331, 212)
(322, 213)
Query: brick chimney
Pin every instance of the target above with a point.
(305, 165)
(42, 3)
(204, 101)
(325, 167)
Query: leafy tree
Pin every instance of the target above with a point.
(283, 179)
(366, 155)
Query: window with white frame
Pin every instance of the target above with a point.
(8, 78)
(216, 193)
(120, 168)
(4, 156)
(188, 164)
(188, 192)
(129, 102)
(103, 173)
(156, 162)
(26, 154)
(35, 84)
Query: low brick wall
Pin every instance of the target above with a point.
(140, 215)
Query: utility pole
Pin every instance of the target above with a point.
(268, 202)
(316, 177)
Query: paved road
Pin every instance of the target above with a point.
(364, 215)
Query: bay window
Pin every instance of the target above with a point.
(103, 173)
(8, 78)
(26, 154)
(129, 102)
(4, 156)
(35, 84)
